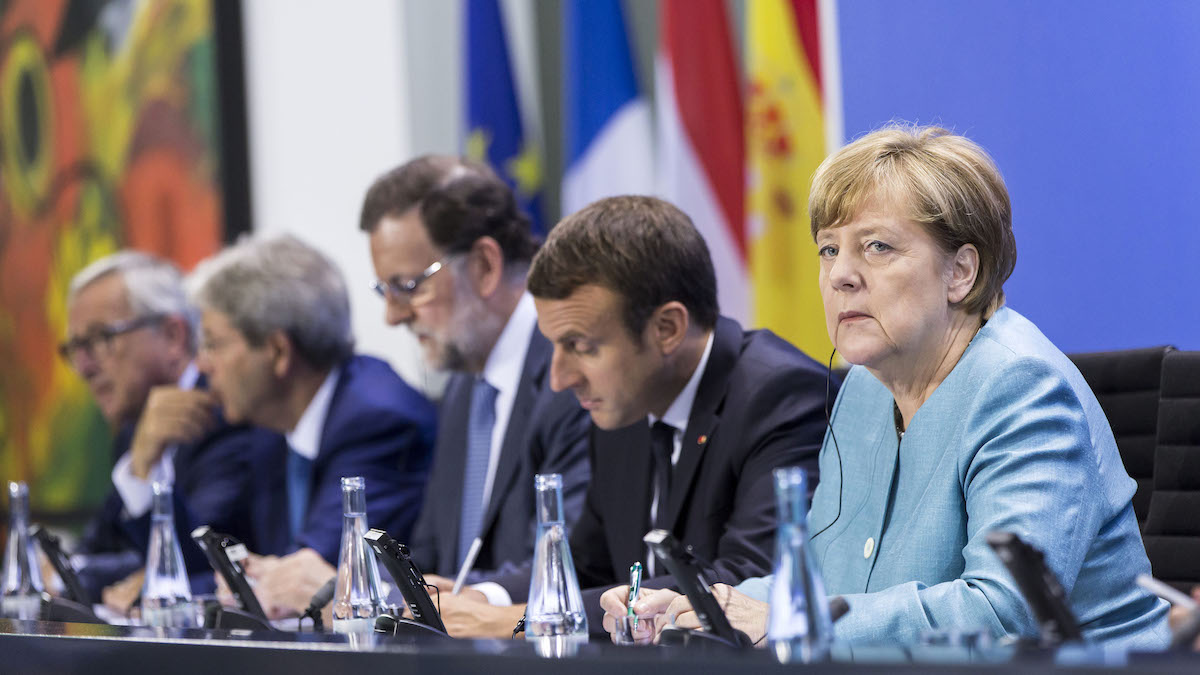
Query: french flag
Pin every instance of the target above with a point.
(701, 147)
(607, 123)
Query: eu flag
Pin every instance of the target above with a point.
(494, 133)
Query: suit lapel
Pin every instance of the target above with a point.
(705, 415)
(514, 448)
(456, 408)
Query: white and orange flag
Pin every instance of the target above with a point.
(701, 147)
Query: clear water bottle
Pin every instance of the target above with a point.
(22, 590)
(166, 593)
(357, 599)
(554, 618)
(799, 628)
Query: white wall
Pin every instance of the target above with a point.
(327, 96)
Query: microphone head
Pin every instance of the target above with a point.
(838, 607)
(325, 594)
(386, 624)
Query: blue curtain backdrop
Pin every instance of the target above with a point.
(1092, 111)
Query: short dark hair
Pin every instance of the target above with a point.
(644, 249)
(460, 200)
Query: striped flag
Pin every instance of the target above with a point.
(701, 156)
(607, 122)
(785, 129)
(494, 131)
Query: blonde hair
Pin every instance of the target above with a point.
(944, 181)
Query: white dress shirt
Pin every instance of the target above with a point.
(305, 438)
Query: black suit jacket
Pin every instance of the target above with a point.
(760, 405)
(546, 433)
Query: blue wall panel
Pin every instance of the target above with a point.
(1092, 111)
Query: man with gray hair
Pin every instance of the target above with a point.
(131, 335)
(279, 352)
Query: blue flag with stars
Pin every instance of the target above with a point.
(494, 133)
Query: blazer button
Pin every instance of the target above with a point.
(869, 547)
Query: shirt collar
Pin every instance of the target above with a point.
(305, 438)
(681, 408)
(503, 367)
(190, 376)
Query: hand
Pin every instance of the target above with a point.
(744, 613)
(120, 596)
(50, 580)
(443, 584)
(446, 587)
(650, 604)
(1196, 597)
(467, 618)
(171, 415)
(285, 586)
(1179, 615)
(224, 595)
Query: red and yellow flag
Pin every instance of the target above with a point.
(785, 142)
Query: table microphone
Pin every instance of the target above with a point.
(319, 599)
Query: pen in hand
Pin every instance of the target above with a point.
(635, 585)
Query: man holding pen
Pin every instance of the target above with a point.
(689, 412)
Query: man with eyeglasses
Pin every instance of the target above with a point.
(131, 337)
(452, 250)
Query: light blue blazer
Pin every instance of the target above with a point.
(1012, 440)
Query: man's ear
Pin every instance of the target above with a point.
(178, 334)
(281, 351)
(964, 269)
(486, 266)
(668, 326)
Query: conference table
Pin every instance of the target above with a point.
(53, 647)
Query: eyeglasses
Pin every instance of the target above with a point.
(395, 289)
(100, 338)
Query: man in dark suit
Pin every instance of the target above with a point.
(690, 413)
(452, 250)
(278, 352)
(131, 337)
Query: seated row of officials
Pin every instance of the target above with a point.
(602, 356)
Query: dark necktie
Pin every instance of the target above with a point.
(662, 446)
(299, 472)
(479, 450)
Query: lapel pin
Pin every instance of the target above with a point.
(702, 440)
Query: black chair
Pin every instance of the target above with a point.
(1127, 384)
(1172, 528)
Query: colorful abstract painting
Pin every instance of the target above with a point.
(110, 137)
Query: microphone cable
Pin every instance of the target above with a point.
(836, 449)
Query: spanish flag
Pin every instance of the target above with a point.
(785, 142)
